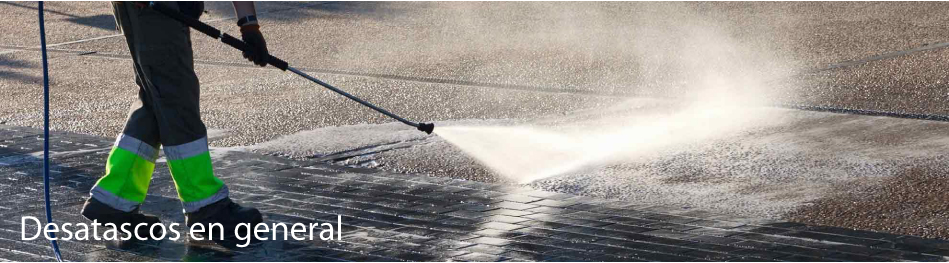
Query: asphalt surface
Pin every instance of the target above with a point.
(490, 63)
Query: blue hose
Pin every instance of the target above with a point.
(49, 212)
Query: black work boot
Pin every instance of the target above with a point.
(103, 214)
(229, 214)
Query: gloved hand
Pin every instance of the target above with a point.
(252, 36)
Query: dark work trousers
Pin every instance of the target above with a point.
(167, 115)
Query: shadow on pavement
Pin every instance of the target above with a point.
(293, 11)
(9, 66)
(97, 21)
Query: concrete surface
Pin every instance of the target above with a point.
(506, 63)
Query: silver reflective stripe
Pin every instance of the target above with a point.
(113, 200)
(140, 148)
(187, 150)
(194, 206)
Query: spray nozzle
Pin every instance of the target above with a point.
(426, 127)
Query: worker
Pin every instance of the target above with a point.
(167, 115)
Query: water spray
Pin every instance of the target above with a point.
(276, 62)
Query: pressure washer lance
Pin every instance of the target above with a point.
(274, 61)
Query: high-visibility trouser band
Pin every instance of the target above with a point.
(113, 200)
(138, 147)
(126, 180)
(187, 150)
(190, 166)
(194, 206)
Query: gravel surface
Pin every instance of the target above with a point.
(64, 22)
(606, 48)
(256, 105)
(551, 64)
(913, 83)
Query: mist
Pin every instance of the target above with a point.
(708, 84)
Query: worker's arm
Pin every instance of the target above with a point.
(244, 9)
(250, 32)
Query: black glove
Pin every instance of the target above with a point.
(252, 36)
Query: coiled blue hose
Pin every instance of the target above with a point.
(49, 212)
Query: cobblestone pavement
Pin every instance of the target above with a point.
(396, 217)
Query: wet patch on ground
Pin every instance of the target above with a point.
(913, 202)
(764, 171)
(408, 217)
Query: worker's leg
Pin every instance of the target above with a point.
(116, 197)
(166, 66)
(163, 52)
(130, 164)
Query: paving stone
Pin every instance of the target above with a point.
(485, 249)
(489, 241)
(453, 235)
(505, 219)
(763, 254)
(761, 229)
(923, 242)
(430, 208)
(473, 207)
(459, 221)
(467, 214)
(448, 243)
(522, 255)
(497, 233)
(553, 203)
(568, 221)
(550, 210)
(519, 198)
(716, 224)
(513, 205)
(853, 233)
(501, 226)
(649, 244)
(306, 257)
(482, 194)
(851, 257)
(803, 258)
(506, 212)
(707, 255)
(479, 257)
(588, 215)
(713, 232)
(364, 258)
(566, 236)
(547, 195)
(922, 257)
(835, 238)
(672, 226)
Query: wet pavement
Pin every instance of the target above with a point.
(529, 62)
(775, 162)
(395, 217)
